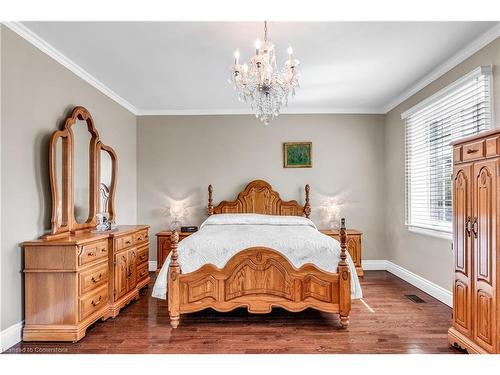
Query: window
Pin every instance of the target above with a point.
(464, 108)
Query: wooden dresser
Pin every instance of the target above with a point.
(476, 208)
(74, 276)
(164, 246)
(353, 246)
(73, 281)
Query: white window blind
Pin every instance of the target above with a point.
(463, 108)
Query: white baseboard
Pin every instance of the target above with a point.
(374, 265)
(152, 265)
(11, 336)
(432, 289)
(436, 291)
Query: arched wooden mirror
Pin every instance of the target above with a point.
(79, 164)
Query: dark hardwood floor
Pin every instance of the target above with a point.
(389, 323)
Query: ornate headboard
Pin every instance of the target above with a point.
(259, 198)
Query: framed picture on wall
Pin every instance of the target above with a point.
(297, 154)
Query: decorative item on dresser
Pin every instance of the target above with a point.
(77, 275)
(353, 245)
(259, 278)
(476, 220)
(164, 246)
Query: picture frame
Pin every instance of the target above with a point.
(297, 155)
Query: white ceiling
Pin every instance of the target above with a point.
(182, 67)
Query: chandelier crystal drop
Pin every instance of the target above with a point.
(261, 83)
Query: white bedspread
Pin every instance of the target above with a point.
(222, 236)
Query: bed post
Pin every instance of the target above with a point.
(174, 271)
(307, 206)
(344, 279)
(210, 207)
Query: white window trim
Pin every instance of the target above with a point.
(430, 232)
(481, 70)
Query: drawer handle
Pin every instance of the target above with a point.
(94, 280)
(103, 250)
(128, 242)
(139, 238)
(472, 151)
(143, 273)
(91, 254)
(96, 303)
(143, 257)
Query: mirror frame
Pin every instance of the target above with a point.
(114, 171)
(68, 224)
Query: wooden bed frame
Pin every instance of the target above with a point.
(259, 278)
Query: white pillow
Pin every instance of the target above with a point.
(257, 219)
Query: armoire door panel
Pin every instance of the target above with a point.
(485, 199)
(461, 307)
(484, 207)
(484, 317)
(462, 211)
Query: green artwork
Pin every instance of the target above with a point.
(297, 154)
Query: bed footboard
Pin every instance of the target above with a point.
(259, 279)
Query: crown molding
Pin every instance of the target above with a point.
(287, 111)
(449, 64)
(445, 67)
(55, 54)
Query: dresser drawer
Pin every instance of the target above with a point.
(457, 154)
(93, 252)
(142, 254)
(124, 242)
(491, 146)
(474, 150)
(142, 272)
(141, 237)
(93, 278)
(93, 302)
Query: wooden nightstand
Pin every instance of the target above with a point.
(163, 246)
(353, 246)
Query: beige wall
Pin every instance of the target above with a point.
(429, 257)
(36, 94)
(180, 155)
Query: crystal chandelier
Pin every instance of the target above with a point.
(261, 83)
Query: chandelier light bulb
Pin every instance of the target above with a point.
(258, 44)
(245, 68)
(290, 51)
(236, 57)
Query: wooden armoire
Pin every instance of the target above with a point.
(476, 207)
